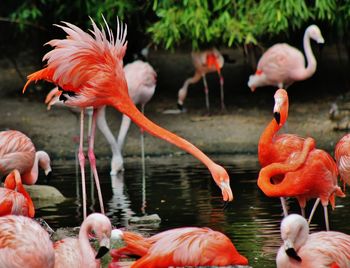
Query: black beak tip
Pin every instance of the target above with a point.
(180, 106)
(277, 117)
(49, 176)
(101, 252)
(292, 253)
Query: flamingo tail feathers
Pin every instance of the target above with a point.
(43, 74)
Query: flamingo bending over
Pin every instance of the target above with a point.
(141, 81)
(17, 151)
(14, 199)
(89, 71)
(304, 250)
(283, 64)
(342, 157)
(23, 243)
(78, 253)
(188, 246)
(204, 62)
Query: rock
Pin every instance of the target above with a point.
(44, 192)
(147, 219)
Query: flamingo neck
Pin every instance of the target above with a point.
(31, 177)
(88, 254)
(266, 140)
(21, 189)
(310, 58)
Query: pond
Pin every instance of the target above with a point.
(180, 190)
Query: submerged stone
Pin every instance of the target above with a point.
(147, 219)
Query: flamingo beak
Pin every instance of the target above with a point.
(277, 117)
(226, 191)
(104, 247)
(290, 251)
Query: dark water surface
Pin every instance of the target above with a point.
(180, 190)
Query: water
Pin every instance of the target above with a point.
(180, 190)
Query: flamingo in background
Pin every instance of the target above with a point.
(283, 64)
(17, 151)
(342, 156)
(14, 199)
(73, 252)
(204, 62)
(301, 249)
(88, 69)
(141, 81)
(23, 243)
(188, 246)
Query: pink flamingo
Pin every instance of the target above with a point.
(23, 243)
(204, 62)
(88, 69)
(188, 246)
(14, 199)
(73, 252)
(301, 249)
(283, 64)
(141, 81)
(342, 156)
(17, 151)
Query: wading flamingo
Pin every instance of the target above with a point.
(73, 252)
(204, 62)
(304, 250)
(17, 151)
(141, 81)
(14, 199)
(188, 246)
(23, 243)
(342, 156)
(89, 71)
(283, 64)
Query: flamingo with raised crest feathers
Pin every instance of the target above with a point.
(303, 250)
(204, 62)
(17, 151)
(283, 64)
(188, 246)
(89, 71)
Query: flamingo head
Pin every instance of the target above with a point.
(45, 163)
(315, 33)
(280, 110)
(222, 180)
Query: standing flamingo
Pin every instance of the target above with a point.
(14, 199)
(141, 80)
(342, 156)
(89, 71)
(23, 243)
(304, 250)
(283, 64)
(188, 246)
(17, 151)
(72, 252)
(204, 62)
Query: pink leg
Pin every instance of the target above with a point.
(92, 158)
(206, 91)
(81, 158)
(223, 108)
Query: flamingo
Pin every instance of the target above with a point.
(320, 249)
(141, 81)
(14, 199)
(88, 70)
(204, 62)
(283, 64)
(73, 252)
(17, 151)
(188, 246)
(342, 157)
(23, 243)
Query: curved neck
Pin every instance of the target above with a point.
(265, 140)
(124, 127)
(31, 177)
(310, 58)
(88, 254)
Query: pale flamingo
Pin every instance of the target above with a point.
(304, 250)
(78, 253)
(342, 156)
(14, 199)
(89, 71)
(204, 62)
(23, 243)
(283, 64)
(188, 246)
(17, 151)
(141, 81)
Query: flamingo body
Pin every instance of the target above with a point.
(342, 156)
(283, 64)
(320, 249)
(189, 246)
(23, 243)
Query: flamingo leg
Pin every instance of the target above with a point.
(81, 158)
(222, 92)
(143, 208)
(206, 91)
(92, 158)
(326, 217)
(313, 210)
(284, 206)
(302, 209)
